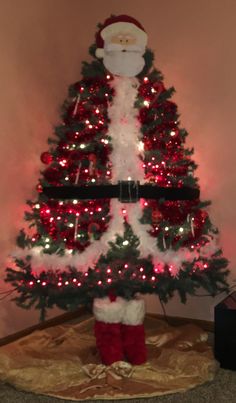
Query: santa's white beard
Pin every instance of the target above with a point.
(127, 64)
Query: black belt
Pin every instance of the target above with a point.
(125, 191)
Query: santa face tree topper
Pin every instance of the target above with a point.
(121, 44)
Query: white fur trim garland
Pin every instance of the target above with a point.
(124, 131)
(175, 259)
(81, 261)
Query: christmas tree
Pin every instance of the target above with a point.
(117, 210)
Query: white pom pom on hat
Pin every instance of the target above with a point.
(114, 25)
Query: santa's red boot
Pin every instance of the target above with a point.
(108, 313)
(133, 334)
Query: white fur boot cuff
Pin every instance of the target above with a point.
(134, 312)
(109, 312)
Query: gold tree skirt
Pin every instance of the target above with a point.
(62, 361)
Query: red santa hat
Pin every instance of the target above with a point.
(115, 25)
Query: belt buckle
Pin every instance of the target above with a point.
(128, 191)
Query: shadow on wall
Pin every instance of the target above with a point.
(14, 319)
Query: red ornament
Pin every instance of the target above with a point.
(92, 158)
(175, 211)
(75, 155)
(46, 158)
(145, 116)
(52, 175)
(72, 136)
(159, 87)
(39, 188)
(148, 145)
(70, 244)
(156, 216)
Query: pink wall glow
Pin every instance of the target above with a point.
(42, 46)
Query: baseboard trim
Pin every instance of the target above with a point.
(69, 316)
(178, 321)
(58, 320)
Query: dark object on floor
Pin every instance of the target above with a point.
(225, 332)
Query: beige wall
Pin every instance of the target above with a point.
(42, 44)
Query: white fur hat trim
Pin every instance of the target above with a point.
(126, 27)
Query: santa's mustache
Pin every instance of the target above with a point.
(117, 47)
